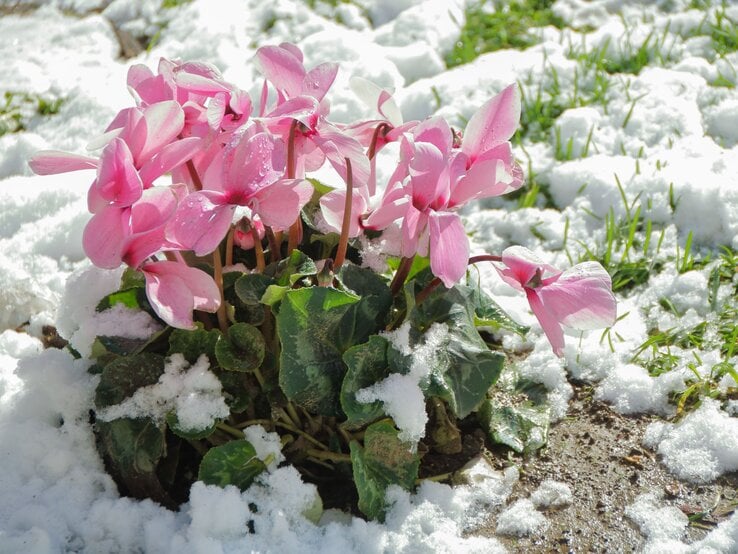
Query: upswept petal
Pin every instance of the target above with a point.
(301, 108)
(175, 289)
(549, 323)
(170, 297)
(386, 214)
(426, 168)
(282, 68)
(522, 265)
(164, 122)
(51, 162)
(200, 84)
(332, 206)
(485, 179)
(253, 164)
(104, 236)
(201, 221)
(337, 146)
(494, 123)
(449, 247)
(376, 97)
(413, 225)
(319, 79)
(118, 182)
(279, 204)
(581, 297)
(171, 156)
(436, 131)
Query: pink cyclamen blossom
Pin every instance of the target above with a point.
(438, 173)
(580, 297)
(175, 290)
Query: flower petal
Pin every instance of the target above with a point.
(522, 265)
(449, 247)
(118, 182)
(581, 297)
(201, 222)
(51, 162)
(104, 236)
(319, 79)
(171, 156)
(282, 68)
(164, 121)
(494, 123)
(279, 205)
(333, 205)
(549, 322)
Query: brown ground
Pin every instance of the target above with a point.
(599, 454)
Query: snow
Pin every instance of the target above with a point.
(701, 446)
(192, 392)
(669, 128)
(657, 522)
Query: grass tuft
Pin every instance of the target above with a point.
(506, 25)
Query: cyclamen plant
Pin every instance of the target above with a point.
(305, 340)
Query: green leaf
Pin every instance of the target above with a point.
(524, 428)
(312, 208)
(132, 278)
(315, 327)
(243, 350)
(192, 344)
(189, 434)
(133, 449)
(384, 460)
(376, 297)
(367, 364)
(234, 463)
(133, 298)
(234, 390)
(244, 295)
(121, 378)
(251, 287)
(274, 295)
(288, 271)
(489, 314)
(462, 366)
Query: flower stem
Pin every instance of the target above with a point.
(229, 246)
(345, 227)
(193, 175)
(382, 129)
(296, 228)
(260, 261)
(218, 276)
(274, 253)
(401, 274)
(328, 455)
(430, 287)
(230, 430)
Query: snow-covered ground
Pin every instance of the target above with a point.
(662, 141)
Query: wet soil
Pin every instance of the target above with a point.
(599, 454)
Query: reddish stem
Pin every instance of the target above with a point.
(193, 175)
(296, 228)
(383, 129)
(343, 242)
(401, 274)
(433, 285)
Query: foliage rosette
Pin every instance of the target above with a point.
(271, 313)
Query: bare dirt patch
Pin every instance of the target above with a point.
(598, 454)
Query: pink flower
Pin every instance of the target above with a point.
(174, 290)
(434, 178)
(133, 233)
(249, 174)
(580, 297)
